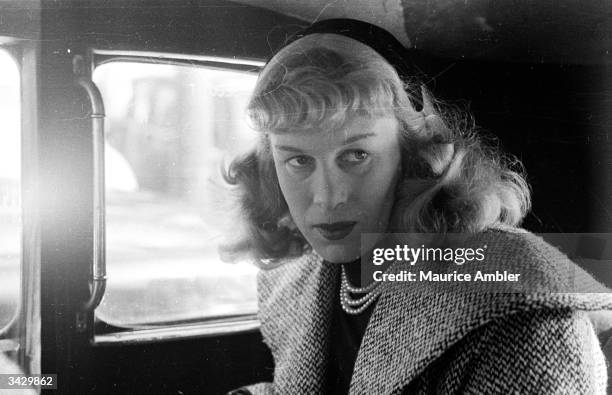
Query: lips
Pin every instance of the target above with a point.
(335, 230)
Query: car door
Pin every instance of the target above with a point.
(137, 103)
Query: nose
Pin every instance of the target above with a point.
(330, 187)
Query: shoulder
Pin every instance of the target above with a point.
(290, 275)
(513, 244)
(543, 266)
(543, 350)
(295, 291)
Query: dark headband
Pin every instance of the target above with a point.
(380, 40)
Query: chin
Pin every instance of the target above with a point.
(338, 253)
(341, 251)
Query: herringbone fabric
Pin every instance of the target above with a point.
(423, 339)
(535, 352)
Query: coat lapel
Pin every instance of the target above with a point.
(295, 307)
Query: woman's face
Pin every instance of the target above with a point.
(339, 184)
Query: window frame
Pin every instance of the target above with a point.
(108, 334)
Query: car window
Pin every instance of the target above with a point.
(168, 129)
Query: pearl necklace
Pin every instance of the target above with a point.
(356, 305)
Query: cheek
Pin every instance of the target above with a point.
(378, 197)
(379, 192)
(294, 193)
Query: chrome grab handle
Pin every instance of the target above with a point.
(98, 280)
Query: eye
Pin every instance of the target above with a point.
(354, 156)
(300, 161)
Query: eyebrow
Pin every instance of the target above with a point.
(350, 140)
(287, 148)
(358, 137)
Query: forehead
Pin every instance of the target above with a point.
(377, 130)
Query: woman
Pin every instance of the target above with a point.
(351, 145)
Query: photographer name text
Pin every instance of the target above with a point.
(422, 275)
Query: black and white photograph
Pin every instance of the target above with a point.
(280, 197)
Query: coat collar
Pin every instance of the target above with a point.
(410, 326)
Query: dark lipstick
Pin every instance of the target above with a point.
(335, 230)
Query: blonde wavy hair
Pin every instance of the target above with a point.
(452, 181)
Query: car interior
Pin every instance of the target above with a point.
(116, 115)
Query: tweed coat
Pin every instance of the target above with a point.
(434, 340)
